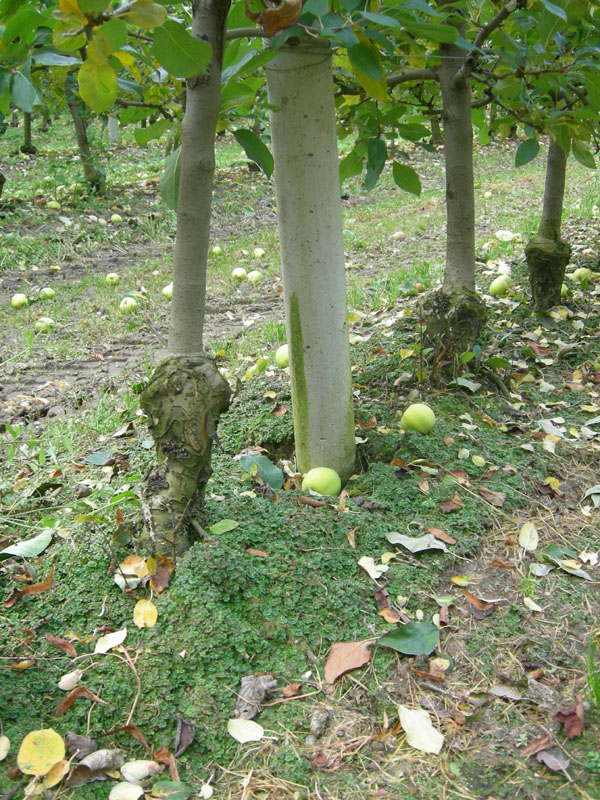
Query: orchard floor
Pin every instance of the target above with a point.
(276, 590)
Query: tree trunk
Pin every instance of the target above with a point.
(187, 393)
(113, 130)
(93, 175)
(27, 146)
(2, 182)
(546, 253)
(303, 135)
(456, 314)
(437, 137)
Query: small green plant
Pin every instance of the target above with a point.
(593, 672)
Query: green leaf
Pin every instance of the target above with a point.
(381, 19)
(376, 156)
(23, 92)
(255, 149)
(154, 131)
(266, 469)
(169, 179)
(365, 59)
(350, 166)
(223, 526)
(31, 547)
(582, 154)
(100, 458)
(49, 59)
(497, 362)
(93, 7)
(406, 178)
(133, 114)
(97, 85)
(555, 9)
(22, 25)
(526, 152)
(414, 638)
(179, 52)
(170, 790)
(146, 14)
(115, 31)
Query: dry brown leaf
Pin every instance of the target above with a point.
(279, 410)
(572, 718)
(252, 552)
(345, 656)
(424, 487)
(451, 504)
(543, 743)
(62, 644)
(556, 761)
(389, 615)
(501, 563)
(311, 501)
(441, 535)
(162, 756)
(278, 19)
(160, 569)
(291, 690)
(494, 498)
(32, 588)
(480, 605)
(134, 731)
(367, 423)
(77, 693)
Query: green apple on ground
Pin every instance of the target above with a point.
(168, 290)
(47, 293)
(19, 300)
(258, 252)
(44, 324)
(127, 305)
(116, 218)
(254, 276)
(239, 274)
(217, 250)
(582, 274)
(112, 279)
(322, 480)
(418, 417)
(500, 285)
(399, 236)
(282, 358)
(54, 205)
(488, 195)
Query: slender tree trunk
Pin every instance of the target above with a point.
(303, 134)
(93, 174)
(45, 120)
(187, 393)
(546, 253)
(456, 314)
(113, 130)
(27, 146)
(2, 182)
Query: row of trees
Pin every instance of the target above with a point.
(388, 74)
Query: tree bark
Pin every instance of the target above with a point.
(93, 175)
(546, 253)
(309, 215)
(187, 393)
(27, 146)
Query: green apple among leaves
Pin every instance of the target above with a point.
(418, 417)
(282, 358)
(239, 274)
(500, 285)
(322, 480)
(112, 279)
(47, 293)
(254, 276)
(44, 324)
(127, 305)
(19, 300)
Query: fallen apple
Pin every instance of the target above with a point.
(19, 300)
(47, 293)
(258, 252)
(418, 417)
(488, 195)
(239, 274)
(582, 274)
(282, 358)
(116, 218)
(399, 236)
(564, 290)
(217, 250)
(53, 204)
(322, 480)
(168, 290)
(44, 324)
(419, 287)
(127, 305)
(112, 278)
(254, 276)
(499, 286)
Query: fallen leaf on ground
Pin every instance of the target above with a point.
(110, 640)
(56, 774)
(40, 751)
(32, 588)
(494, 498)
(374, 570)
(451, 504)
(145, 614)
(62, 644)
(345, 656)
(134, 731)
(416, 544)
(505, 692)
(419, 730)
(480, 605)
(555, 760)
(572, 718)
(441, 535)
(4, 747)
(80, 746)
(528, 536)
(543, 743)
(139, 769)
(160, 569)
(125, 791)
(291, 690)
(80, 692)
(245, 730)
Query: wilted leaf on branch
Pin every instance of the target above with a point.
(278, 19)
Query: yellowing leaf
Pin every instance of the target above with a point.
(134, 565)
(570, 563)
(4, 747)
(245, 730)
(420, 733)
(529, 603)
(387, 557)
(145, 614)
(478, 461)
(69, 6)
(125, 791)
(460, 580)
(56, 774)
(40, 751)
(374, 570)
(406, 354)
(146, 14)
(553, 482)
(110, 640)
(528, 536)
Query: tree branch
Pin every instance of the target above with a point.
(484, 33)
(411, 75)
(250, 33)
